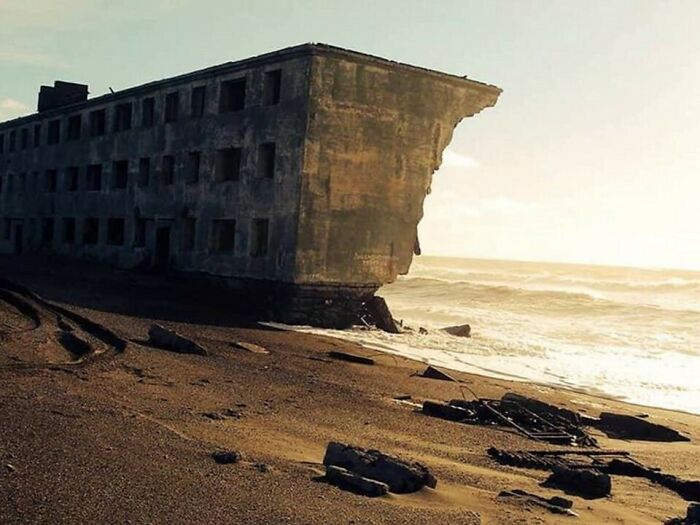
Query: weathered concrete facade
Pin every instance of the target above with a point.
(303, 171)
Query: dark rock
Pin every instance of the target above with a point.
(446, 411)
(621, 426)
(692, 516)
(463, 330)
(226, 457)
(555, 505)
(433, 373)
(422, 331)
(167, 339)
(401, 476)
(587, 483)
(381, 316)
(346, 480)
(352, 358)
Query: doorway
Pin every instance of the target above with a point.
(19, 234)
(162, 258)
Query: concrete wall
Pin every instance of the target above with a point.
(168, 205)
(376, 134)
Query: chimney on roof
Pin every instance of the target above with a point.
(61, 94)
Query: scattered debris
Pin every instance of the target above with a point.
(447, 411)
(587, 483)
(401, 476)
(548, 459)
(167, 339)
(463, 330)
(250, 347)
(402, 397)
(688, 490)
(346, 480)
(433, 373)
(620, 426)
(380, 316)
(542, 423)
(11, 467)
(352, 358)
(422, 330)
(612, 462)
(555, 504)
(226, 457)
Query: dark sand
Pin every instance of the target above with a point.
(122, 437)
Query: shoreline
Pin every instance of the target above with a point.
(482, 371)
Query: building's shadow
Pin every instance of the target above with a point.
(158, 296)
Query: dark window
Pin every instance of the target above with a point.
(144, 172)
(69, 230)
(266, 160)
(50, 181)
(24, 138)
(172, 106)
(259, 235)
(140, 232)
(271, 90)
(2, 143)
(223, 235)
(37, 135)
(115, 232)
(47, 230)
(122, 117)
(228, 164)
(6, 229)
(94, 177)
(198, 97)
(120, 174)
(54, 132)
(148, 111)
(74, 125)
(13, 140)
(232, 97)
(194, 160)
(188, 233)
(91, 230)
(98, 122)
(22, 182)
(71, 180)
(168, 170)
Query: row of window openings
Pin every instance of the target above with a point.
(232, 98)
(227, 168)
(221, 240)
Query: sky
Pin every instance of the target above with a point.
(592, 154)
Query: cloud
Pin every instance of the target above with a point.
(11, 108)
(452, 159)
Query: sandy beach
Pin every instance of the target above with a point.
(126, 435)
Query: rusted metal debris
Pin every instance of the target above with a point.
(539, 424)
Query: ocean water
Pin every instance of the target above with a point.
(631, 334)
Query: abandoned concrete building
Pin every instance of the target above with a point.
(301, 172)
